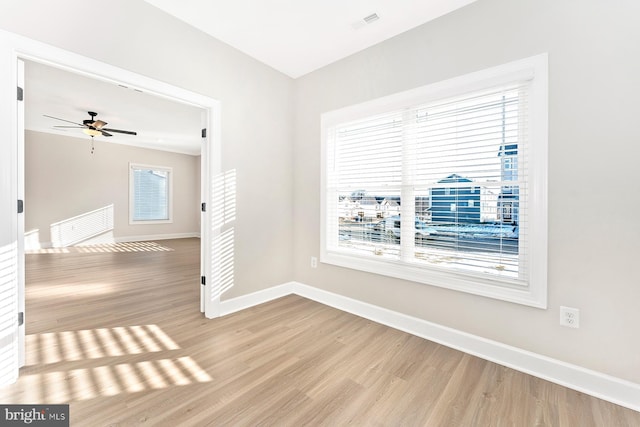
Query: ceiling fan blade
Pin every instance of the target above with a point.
(98, 124)
(128, 132)
(68, 121)
(71, 127)
(105, 133)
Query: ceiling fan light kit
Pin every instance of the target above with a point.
(92, 132)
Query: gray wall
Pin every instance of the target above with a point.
(63, 180)
(594, 64)
(256, 109)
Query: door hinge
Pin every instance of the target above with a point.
(203, 280)
(20, 206)
(203, 207)
(20, 94)
(21, 318)
(204, 132)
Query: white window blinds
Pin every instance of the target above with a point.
(150, 193)
(466, 151)
(457, 169)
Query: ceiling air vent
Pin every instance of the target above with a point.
(365, 21)
(371, 18)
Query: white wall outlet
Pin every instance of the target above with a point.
(569, 317)
(314, 262)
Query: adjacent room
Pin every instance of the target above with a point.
(334, 213)
(131, 185)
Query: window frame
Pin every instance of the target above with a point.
(139, 166)
(535, 70)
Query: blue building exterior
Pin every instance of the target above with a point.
(453, 204)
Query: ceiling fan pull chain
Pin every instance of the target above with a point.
(92, 147)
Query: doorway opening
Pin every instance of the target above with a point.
(208, 166)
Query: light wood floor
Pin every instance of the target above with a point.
(116, 332)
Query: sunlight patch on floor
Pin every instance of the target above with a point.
(90, 378)
(105, 248)
(71, 290)
(112, 380)
(69, 346)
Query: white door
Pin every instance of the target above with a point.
(9, 265)
(219, 194)
(205, 268)
(21, 207)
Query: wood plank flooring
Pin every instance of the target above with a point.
(116, 332)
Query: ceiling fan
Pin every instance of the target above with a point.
(92, 127)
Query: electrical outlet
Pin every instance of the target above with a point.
(314, 262)
(569, 317)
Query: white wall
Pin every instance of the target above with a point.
(63, 180)
(256, 110)
(593, 181)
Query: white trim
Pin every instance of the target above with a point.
(43, 53)
(594, 383)
(256, 298)
(533, 67)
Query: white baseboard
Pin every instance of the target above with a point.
(247, 301)
(597, 384)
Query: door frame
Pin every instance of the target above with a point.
(14, 47)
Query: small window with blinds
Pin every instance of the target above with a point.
(444, 184)
(150, 194)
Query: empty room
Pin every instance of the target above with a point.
(319, 213)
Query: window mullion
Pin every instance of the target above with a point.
(407, 193)
(522, 207)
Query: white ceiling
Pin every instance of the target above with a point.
(299, 36)
(161, 124)
(292, 36)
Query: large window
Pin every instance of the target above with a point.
(464, 162)
(149, 194)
